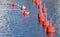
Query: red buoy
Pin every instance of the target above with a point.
(46, 23)
(26, 13)
(39, 1)
(39, 4)
(45, 10)
(51, 30)
(14, 4)
(36, 1)
(41, 17)
(23, 8)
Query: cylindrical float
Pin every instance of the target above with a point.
(51, 30)
(46, 23)
(41, 17)
(45, 10)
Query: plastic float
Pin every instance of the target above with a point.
(23, 8)
(45, 10)
(14, 4)
(26, 13)
(46, 23)
(51, 30)
(41, 17)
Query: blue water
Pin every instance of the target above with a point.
(19, 26)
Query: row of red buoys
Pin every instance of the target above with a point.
(51, 30)
(23, 8)
(25, 12)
